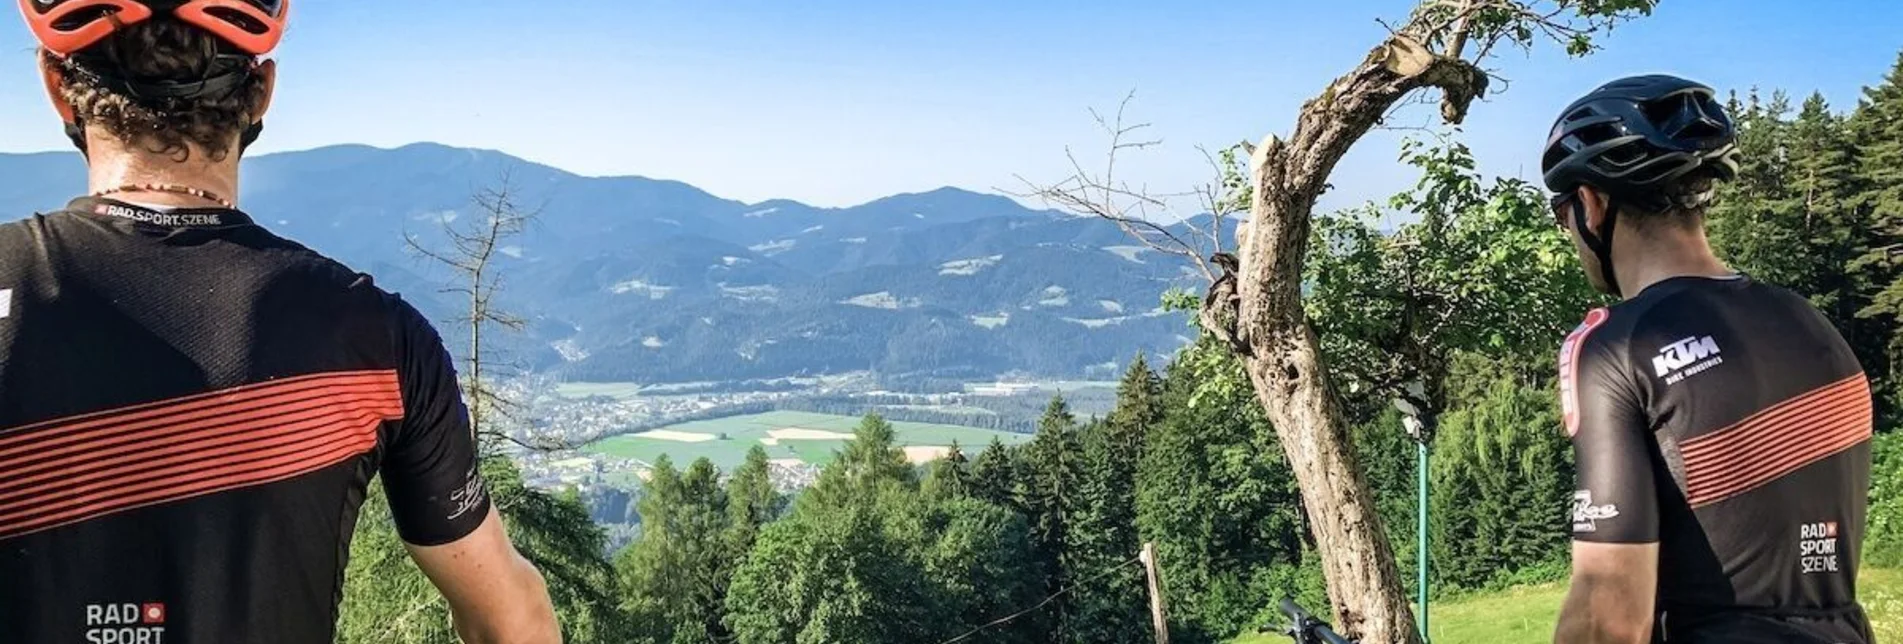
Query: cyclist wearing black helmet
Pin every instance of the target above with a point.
(1720, 425)
(191, 408)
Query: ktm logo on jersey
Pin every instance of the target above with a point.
(1683, 353)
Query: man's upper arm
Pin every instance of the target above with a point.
(1615, 500)
(430, 469)
(1611, 600)
(495, 594)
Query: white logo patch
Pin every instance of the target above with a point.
(1817, 547)
(6, 302)
(1685, 358)
(1586, 516)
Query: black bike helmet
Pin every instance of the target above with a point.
(1631, 138)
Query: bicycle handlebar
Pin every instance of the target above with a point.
(1305, 628)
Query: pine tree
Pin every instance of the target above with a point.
(752, 501)
(1103, 534)
(1876, 129)
(1837, 229)
(702, 528)
(1216, 495)
(991, 475)
(1757, 223)
(950, 476)
(1046, 477)
(870, 460)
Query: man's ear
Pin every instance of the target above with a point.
(1595, 203)
(269, 71)
(55, 84)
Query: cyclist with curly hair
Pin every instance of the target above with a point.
(191, 407)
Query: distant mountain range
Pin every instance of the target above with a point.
(636, 279)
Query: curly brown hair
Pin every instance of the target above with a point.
(1679, 204)
(159, 50)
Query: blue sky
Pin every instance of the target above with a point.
(835, 103)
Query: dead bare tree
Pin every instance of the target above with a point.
(471, 248)
(1255, 303)
(1140, 213)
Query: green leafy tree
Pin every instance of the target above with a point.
(1883, 543)
(675, 574)
(877, 559)
(1502, 478)
(832, 576)
(975, 554)
(1481, 270)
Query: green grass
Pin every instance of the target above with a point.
(1526, 614)
(743, 432)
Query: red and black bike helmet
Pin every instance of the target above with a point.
(64, 27)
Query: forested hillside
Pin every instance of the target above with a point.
(1038, 543)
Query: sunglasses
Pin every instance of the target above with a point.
(1559, 205)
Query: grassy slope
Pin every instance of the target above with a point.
(1525, 615)
(743, 432)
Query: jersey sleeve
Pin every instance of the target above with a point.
(1615, 500)
(429, 472)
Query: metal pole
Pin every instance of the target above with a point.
(1421, 556)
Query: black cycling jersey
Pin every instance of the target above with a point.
(191, 409)
(1727, 421)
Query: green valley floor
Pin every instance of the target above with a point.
(1525, 615)
(789, 436)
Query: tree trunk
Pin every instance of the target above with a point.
(1364, 583)
(1266, 324)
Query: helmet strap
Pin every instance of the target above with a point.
(76, 131)
(1601, 246)
(250, 136)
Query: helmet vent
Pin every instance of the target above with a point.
(1624, 155)
(241, 19)
(1662, 112)
(1599, 133)
(78, 19)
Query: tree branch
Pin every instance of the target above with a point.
(1133, 210)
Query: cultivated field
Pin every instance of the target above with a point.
(622, 391)
(807, 437)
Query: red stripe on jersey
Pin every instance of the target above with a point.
(1777, 441)
(1569, 368)
(65, 471)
